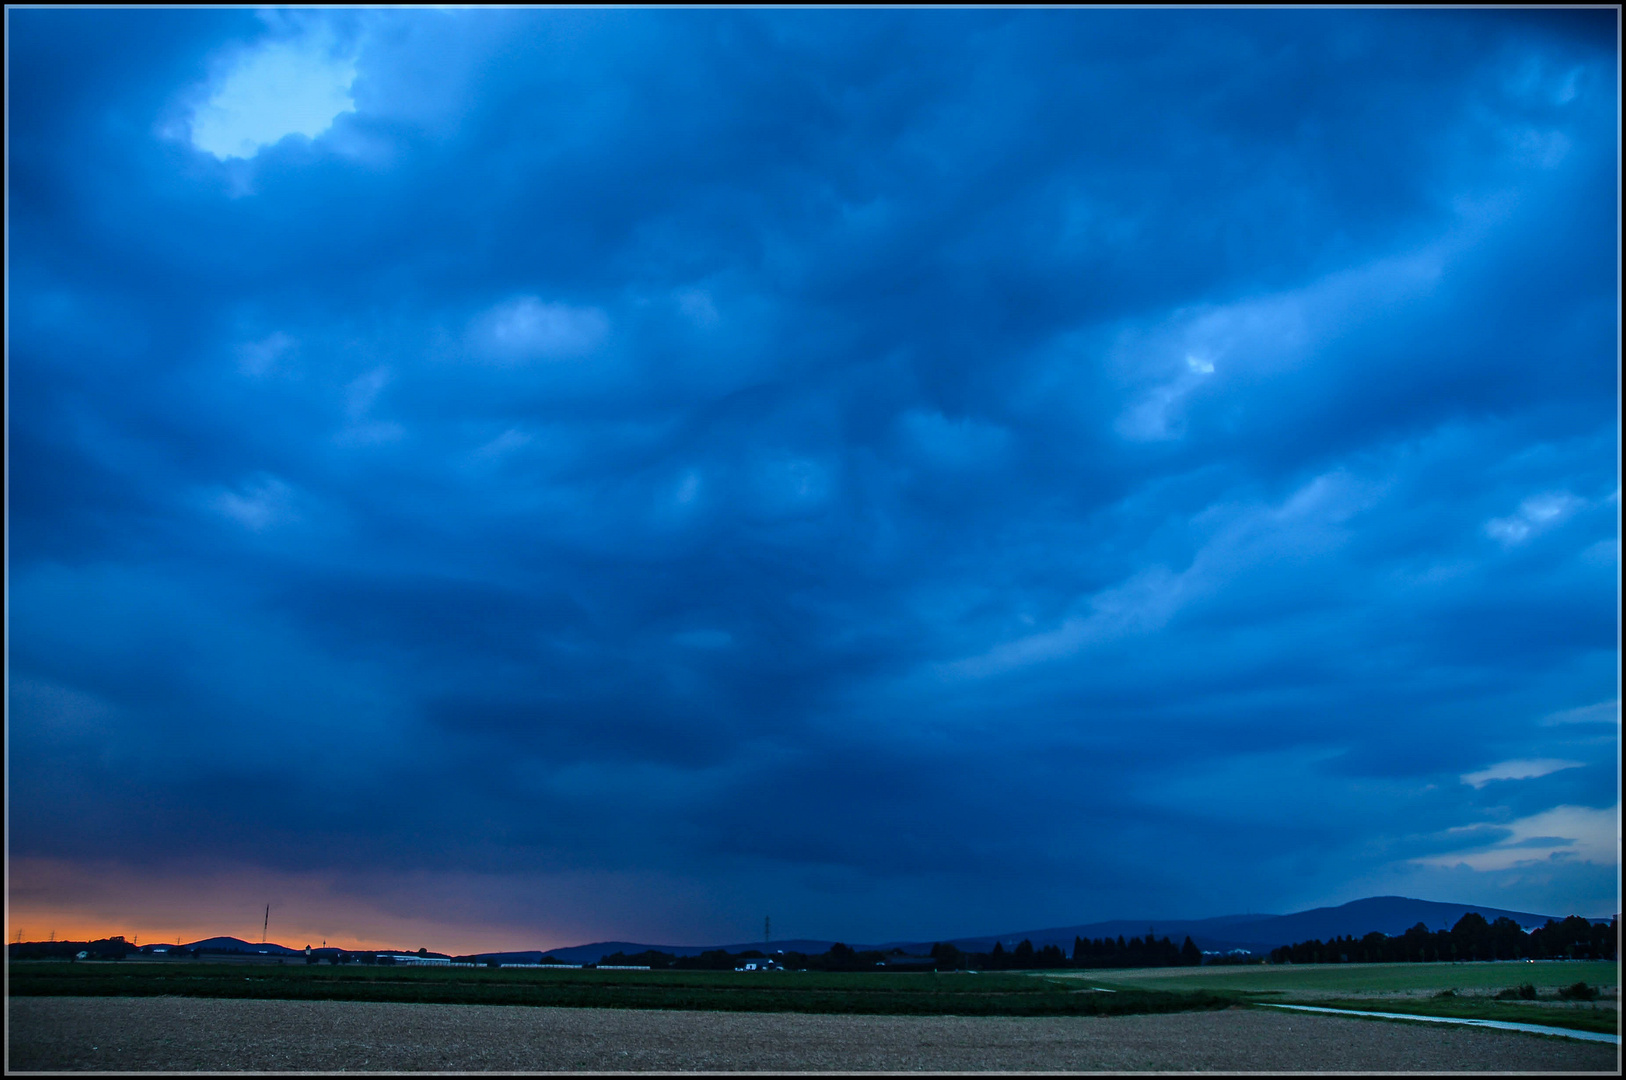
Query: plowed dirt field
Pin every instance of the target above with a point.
(202, 1034)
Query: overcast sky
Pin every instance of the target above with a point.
(509, 478)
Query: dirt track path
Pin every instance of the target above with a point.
(185, 1034)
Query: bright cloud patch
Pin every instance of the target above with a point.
(1580, 833)
(363, 391)
(263, 502)
(260, 358)
(529, 329)
(284, 88)
(1153, 417)
(688, 488)
(697, 307)
(1536, 514)
(1604, 712)
(1267, 333)
(1518, 770)
(1142, 604)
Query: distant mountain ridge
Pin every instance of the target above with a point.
(1391, 915)
(231, 944)
(593, 953)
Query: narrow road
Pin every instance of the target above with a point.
(1503, 1025)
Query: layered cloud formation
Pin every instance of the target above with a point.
(537, 475)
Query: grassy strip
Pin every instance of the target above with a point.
(894, 995)
(1346, 979)
(1580, 1017)
(322, 974)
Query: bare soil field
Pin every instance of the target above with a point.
(220, 1035)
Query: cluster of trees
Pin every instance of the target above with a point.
(113, 948)
(1087, 953)
(839, 957)
(1106, 952)
(1472, 938)
(1102, 952)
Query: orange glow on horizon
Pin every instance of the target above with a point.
(37, 927)
(79, 902)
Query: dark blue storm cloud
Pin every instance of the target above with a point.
(916, 473)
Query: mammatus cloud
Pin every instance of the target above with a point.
(257, 359)
(1138, 606)
(1518, 770)
(1579, 833)
(528, 328)
(259, 503)
(360, 396)
(964, 443)
(1259, 335)
(1309, 522)
(698, 307)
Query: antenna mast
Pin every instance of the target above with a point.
(267, 925)
(767, 929)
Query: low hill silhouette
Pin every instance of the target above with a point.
(1259, 934)
(1391, 915)
(231, 944)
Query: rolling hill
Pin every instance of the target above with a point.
(1257, 933)
(1391, 915)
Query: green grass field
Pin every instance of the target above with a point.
(803, 992)
(1362, 978)
(1405, 988)
(1408, 988)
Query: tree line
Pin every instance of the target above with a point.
(111, 948)
(1087, 953)
(1472, 938)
